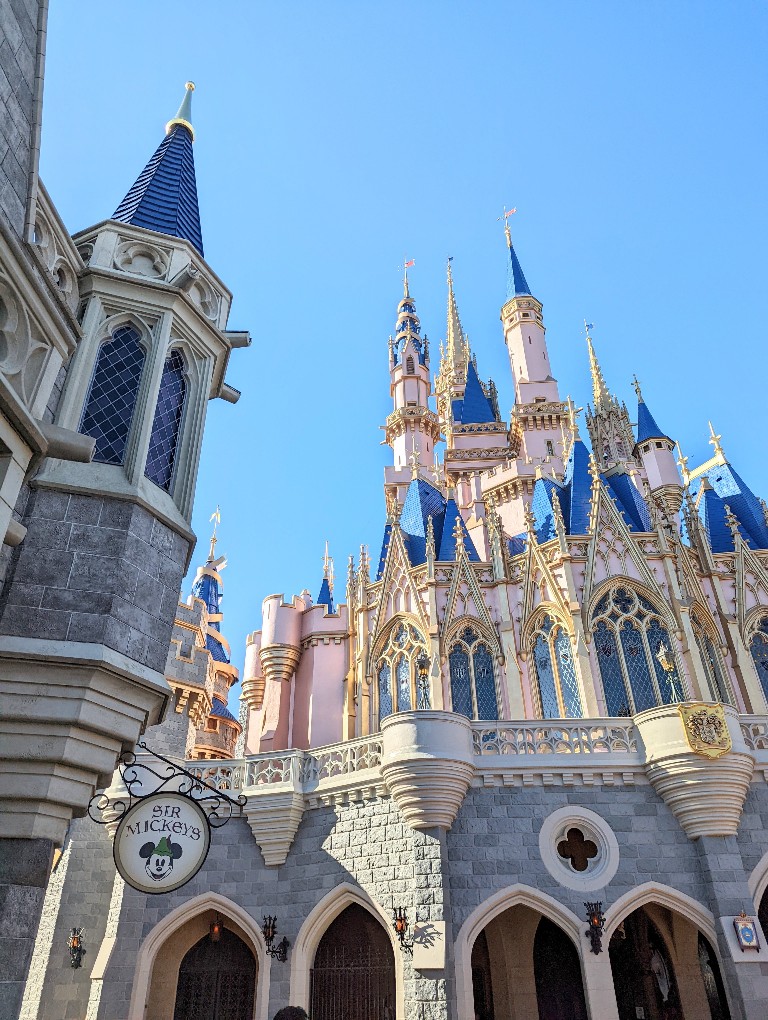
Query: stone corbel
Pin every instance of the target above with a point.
(275, 809)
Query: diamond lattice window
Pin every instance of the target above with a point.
(399, 684)
(635, 654)
(558, 688)
(112, 398)
(166, 427)
(473, 684)
(713, 665)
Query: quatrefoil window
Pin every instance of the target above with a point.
(576, 849)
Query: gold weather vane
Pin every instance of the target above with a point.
(505, 214)
(407, 264)
(216, 518)
(636, 384)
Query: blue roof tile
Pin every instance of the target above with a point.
(325, 598)
(745, 506)
(475, 406)
(517, 544)
(164, 196)
(220, 709)
(578, 490)
(541, 508)
(646, 424)
(516, 282)
(630, 502)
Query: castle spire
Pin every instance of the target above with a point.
(517, 285)
(164, 196)
(325, 598)
(601, 394)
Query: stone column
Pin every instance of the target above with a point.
(598, 982)
(728, 894)
(25, 865)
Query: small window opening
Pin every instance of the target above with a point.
(411, 403)
(659, 446)
(550, 448)
(409, 365)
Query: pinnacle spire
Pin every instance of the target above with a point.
(602, 396)
(325, 597)
(184, 113)
(517, 285)
(456, 343)
(164, 196)
(408, 325)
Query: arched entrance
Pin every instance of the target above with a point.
(524, 966)
(353, 973)
(664, 968)
(217, 980)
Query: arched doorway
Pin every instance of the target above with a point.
(353, 974)
(524, 967)
(217, 980)
(664, 968)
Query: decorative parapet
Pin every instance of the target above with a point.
(404, 418)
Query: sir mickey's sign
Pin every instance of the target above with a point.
(162, 842)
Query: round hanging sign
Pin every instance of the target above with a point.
(162, 842)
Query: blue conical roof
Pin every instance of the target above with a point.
(577, 494)
(325, 598)
(164, 196)
(729, 489)
(517, 284)
(474, 407)
(646, 424)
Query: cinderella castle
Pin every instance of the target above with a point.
(517, 770)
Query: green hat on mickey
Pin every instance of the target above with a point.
(163, 849)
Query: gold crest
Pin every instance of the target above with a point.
(706, 729)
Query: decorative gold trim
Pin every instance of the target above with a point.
(706, 728)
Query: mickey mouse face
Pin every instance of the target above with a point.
(160, 858)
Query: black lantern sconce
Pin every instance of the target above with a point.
(422, 680)
(76, 947)
(596, 919)
(269, 931)
(400, 924)
(216, 928)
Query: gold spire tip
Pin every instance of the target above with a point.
(183, 116)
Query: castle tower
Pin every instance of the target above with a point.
(476, 437)
(412, 430)
(608, 423)
(656, 452)
(116, 530)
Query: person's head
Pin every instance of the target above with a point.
(291, 1013)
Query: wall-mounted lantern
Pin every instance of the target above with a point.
(76, 947)
(217, 927)
(596, 919)
(269, 931)
(400, 924)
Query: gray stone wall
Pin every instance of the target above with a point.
(95, 570)
(493, 844)
(18, 130)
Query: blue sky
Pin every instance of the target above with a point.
(336, 138)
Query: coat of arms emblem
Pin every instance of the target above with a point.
(706, 729)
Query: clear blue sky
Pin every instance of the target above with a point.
(335, 138)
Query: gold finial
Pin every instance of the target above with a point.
(599, 389)
(437, 473)
(594, 470)
(732, 523)
(636, 384)
(715, 441)
(216, 518)
(505, 214)
(682, 463)
(458, 533)
(407, 263)
(184, 113)
(573, 418)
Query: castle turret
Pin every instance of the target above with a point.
(412, 430)
(656, 452)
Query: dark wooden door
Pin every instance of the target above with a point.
(556, 968)
(217, 980)
(353, 977)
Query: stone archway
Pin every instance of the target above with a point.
(664, 968)
(353, 971)
(162, 951)
(525, 966)
(217, 980)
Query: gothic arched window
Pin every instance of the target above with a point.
(758, 646)
(409, 365)
(111, 399)
(559, 696)
(712, 663)
(402, 684)
(635, 654)
(473, 684)
(166, 426)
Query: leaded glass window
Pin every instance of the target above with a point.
(712, 662)
(635, 654)
(558, 689)
(400, 686)
(111, 400)
(758, 646)
(473, 683)
(166, 425)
